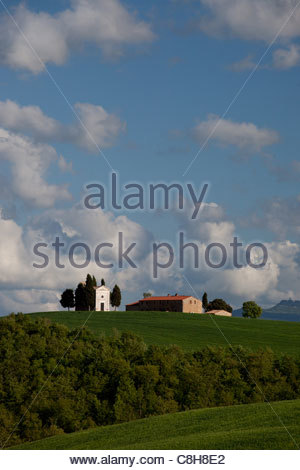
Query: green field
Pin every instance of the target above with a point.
(255, 426)
(190, 331)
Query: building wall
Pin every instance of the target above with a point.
(161, 305)
(189, 305)
(136, 307)
(192, 305)
(102, 296)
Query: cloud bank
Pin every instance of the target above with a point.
(29, 162)
(251, 19)
(279, 279)
(243, 135)
(106, 24)
(94, 126)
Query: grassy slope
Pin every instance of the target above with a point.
(189, 331)
(233, 427)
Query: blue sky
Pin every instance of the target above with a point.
(163, 76)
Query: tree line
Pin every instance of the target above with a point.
(108, 380)
(84, 297)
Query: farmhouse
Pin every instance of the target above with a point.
(102, 299)
(168, 303)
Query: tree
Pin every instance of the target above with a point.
(67, 299)
(81, 303)
(90, 292)
(219, 304)
(251, 309)
(115, 297)
(102, 282)
(204, 301)
(94, 282)
(147, 294)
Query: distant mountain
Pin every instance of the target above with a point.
(285, 306)
(287, 310)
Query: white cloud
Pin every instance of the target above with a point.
(102, 126)
(105, 23)
(25, 288)
(286, 58)
(94, 126)
(278, 279)
(282, 59)
(250, 19)
(29, 163)
(64, 166)
(245, 136)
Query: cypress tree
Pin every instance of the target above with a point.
(204, 301)
(102, 282)
(115, 297)
(90, 292)
(80, 298)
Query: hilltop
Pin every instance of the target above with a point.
(189, 331)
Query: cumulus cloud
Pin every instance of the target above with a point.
(287, 57)
(95, 125)
(277, 280)
(250, 19)
(29, 163)
(107, 24)
(64, 165)
(282, 59)
(25, 288)
(243, 135)
(253, 20)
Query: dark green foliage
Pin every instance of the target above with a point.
(67, 299)
(218, 304)
(81, 302)
(251, 310)
(94, 281)
(146, 295)
(102, 282)
(90, 292)
(88, 381)
(115, 297)
(204, 301)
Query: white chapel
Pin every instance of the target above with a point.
(102, 299)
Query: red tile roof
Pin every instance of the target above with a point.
(134, 303)
(167, 297)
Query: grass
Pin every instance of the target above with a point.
(190, 331)
(255, 426)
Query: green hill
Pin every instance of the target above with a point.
(255, 426)
(190, 331)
